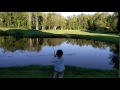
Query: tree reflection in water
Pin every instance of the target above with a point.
(35, 44)
(115, 56)
(9, 43)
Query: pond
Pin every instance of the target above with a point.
(16, 51)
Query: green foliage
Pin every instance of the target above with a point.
(45, 21)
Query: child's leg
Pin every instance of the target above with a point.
(61, 75)
(55, 75)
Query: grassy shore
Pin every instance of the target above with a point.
(90, 35)
(35, 71)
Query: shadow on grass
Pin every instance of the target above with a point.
(108, 39)
(24, 33)
(40, 34)
(102, 32)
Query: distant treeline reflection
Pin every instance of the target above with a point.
(9, 43)
(35, 44)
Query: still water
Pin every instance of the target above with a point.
(39, 51)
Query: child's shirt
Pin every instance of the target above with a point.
(58, 64)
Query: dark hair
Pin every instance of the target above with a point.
(59, 53)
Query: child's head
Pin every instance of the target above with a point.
(59, 53)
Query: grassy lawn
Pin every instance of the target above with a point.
(90, 35)
(35, 71)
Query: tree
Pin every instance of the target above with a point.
(54, 21)
(30, 19)
(118, 23)
(62, 22)
(44, 20)
(41, 20)
(36, 19)
(48, 20)
(115, 20)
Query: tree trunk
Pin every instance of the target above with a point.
(30, 17)
(78, 27)
(49, 27)
(18, 23)
(36, 22)
(54, 27)
(42, 27)
(61, 28)
(8, 24)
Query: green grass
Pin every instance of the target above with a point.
(35, 71)
(90, 35)
(5, 29)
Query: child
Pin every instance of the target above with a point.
(58, 64)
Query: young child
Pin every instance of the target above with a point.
(58, 64)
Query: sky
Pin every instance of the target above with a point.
(65, 14)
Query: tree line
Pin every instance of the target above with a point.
(55, 21)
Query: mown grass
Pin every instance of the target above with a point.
(35, 71)
(97, 36)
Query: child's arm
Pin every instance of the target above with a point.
(53, 59)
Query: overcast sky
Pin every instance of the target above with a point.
(65, 14)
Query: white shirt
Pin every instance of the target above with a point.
(58, 64)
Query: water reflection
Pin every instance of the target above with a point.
(35, 44)
(79, 50)
(115, 57)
